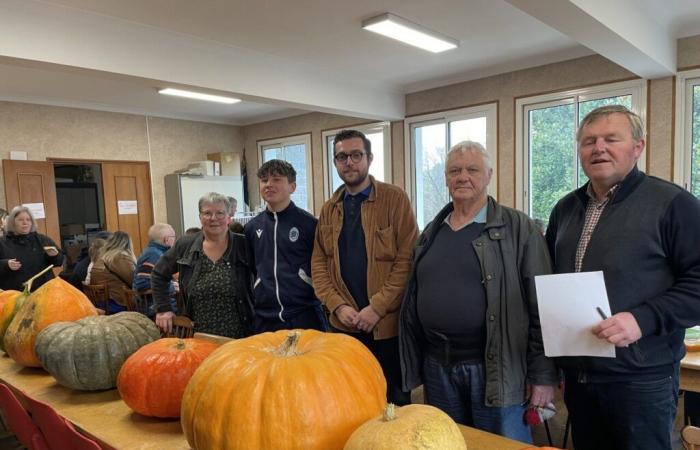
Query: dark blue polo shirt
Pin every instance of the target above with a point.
(351, 247)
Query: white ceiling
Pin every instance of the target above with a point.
(287, 57)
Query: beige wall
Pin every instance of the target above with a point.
(505, 89)
(57, 132)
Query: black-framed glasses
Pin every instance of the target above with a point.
(209, 214)
(342, 158)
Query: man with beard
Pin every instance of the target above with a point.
(362, 256)
(281, 240)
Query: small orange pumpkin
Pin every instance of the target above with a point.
(288, 390)
(152, 380)
(55, 301)
(407, 428)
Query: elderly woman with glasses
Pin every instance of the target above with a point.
(214, 272)
(24, 252)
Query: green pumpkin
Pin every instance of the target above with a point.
(86, 355)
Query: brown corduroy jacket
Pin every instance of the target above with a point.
(390, 234)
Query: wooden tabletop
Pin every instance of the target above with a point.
(106, 418)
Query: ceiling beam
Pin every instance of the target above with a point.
(39, 31)
(621, 30)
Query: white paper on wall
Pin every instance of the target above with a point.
(126, 207)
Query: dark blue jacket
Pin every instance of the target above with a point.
(281, 244)
(145, 264)
(646, 244)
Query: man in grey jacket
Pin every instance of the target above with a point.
(469, 327)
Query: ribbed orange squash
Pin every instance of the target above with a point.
(55, 301)
(10, 301)
(409, 427)
(288, 390)
(152, 380)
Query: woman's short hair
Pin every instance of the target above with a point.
(16, 211)
(213, 198)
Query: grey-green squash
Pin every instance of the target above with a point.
(87, 355)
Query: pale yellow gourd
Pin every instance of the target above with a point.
(411, 427)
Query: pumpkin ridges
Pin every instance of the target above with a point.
(273, 389)
(153, 379)
(55, 301)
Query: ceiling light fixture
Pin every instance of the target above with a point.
(199, 96)
(411, 33)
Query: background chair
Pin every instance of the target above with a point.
(129, 300)
(19, 421)
(182, 328)
(98, 295)
(59, 433)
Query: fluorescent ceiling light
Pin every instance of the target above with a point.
(199, 96)
(406, 31)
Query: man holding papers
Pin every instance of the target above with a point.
(643, 234)
(469, 328)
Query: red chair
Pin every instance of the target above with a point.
(59, 433)
(19, 421)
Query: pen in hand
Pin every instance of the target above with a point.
(601, 313)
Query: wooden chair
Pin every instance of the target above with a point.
(98, 295)
(182, 328)
(144, 301)
(129, 299)
(59, 433)
(20, 422)
(690, 437)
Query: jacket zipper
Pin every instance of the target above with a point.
(274, 268)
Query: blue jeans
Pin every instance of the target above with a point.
(458, 390)
(631, 415)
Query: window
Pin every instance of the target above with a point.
(379, 135)
(687, 153)
(428, 138)
(547, 165)
(296, 150)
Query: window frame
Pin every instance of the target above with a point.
(329, 165)
(488, 110)
(683, 151)
(636, 88)
(304, 139)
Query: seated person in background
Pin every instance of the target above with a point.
(93, 252)
(235, 227)
(281, 240)
(214, 274)
(80, 270)
(115, 266)
(24, 252)
(3, 216)
(162, 237)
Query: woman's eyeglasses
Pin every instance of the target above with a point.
(209, 214)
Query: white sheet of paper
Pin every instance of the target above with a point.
(127, 207)
(37, 210)
(567, 303)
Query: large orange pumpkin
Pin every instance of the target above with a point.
(55, 301)
(10, 301)
(152, 380)
(288, 390)
(409, 427)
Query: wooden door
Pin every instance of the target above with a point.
(33, 183)
(128, 200)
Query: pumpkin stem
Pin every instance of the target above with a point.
(289, 346)
(180, 344)
(389, 413)
(28, 283)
